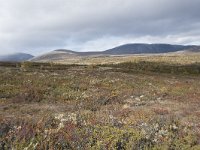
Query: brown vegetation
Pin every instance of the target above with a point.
(124, 106)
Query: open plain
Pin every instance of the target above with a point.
(140, 102)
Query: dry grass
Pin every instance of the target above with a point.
(48, 106)
(167, 58)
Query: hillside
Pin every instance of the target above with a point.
(17, 57)
(55, 55)
(145, 49)
(128, 49)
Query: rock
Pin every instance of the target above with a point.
(141, 96)
(126, 106)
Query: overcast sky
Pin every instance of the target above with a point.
(38, 26)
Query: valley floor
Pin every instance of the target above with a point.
(97, 107)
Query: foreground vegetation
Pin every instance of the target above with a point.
(133, 105)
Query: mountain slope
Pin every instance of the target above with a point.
(63, 54)
(17, 57)
(145, 48)
(55, 55)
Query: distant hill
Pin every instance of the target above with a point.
(64, 54)
(145, 49)
(17, 57)
(55, 55)
(61, 54)
(126, 49)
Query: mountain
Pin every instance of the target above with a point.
(58, 54)
(17, 57)
(63, 54)
(145, 48)
(138, 48)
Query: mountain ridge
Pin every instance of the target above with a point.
(138, 48)
(16, 57)
(126, 49)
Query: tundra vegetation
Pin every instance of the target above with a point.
(135, 105)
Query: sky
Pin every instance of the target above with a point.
(39, 26)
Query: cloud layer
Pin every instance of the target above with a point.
(37, 26)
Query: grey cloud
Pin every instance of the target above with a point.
(36, 26)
